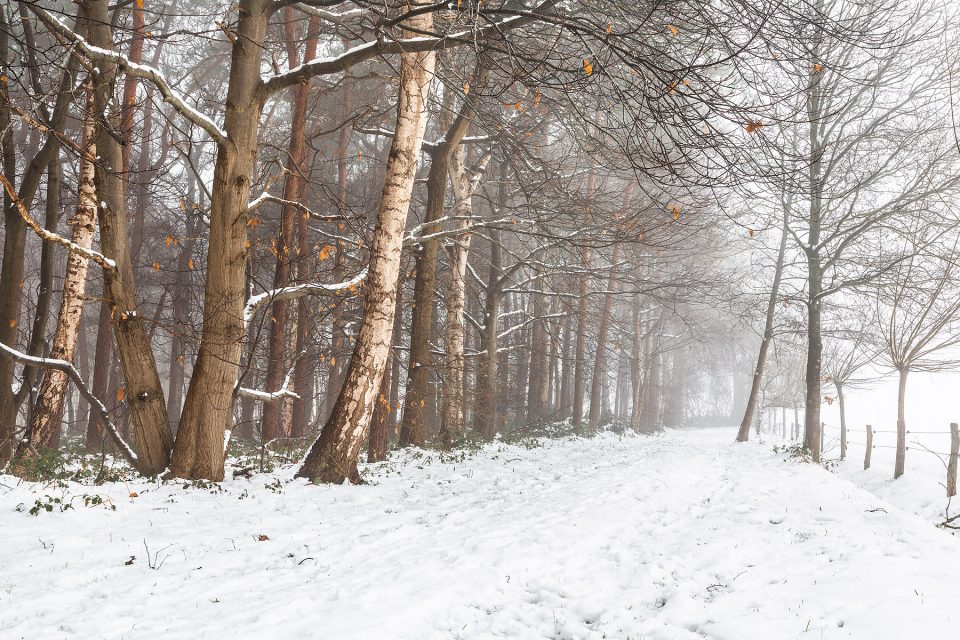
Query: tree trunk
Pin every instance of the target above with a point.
(412, 429)
(744, 434)
(380, 424)
(333, 456)
(101, 375)
(600, 363)
(44, 427)
(14, 241)
(452, 425)
(487, 411)
(38, 333)
(144, 393)
(537, 374)
(293, 190)
(901, 459)
(208, 409)
(843, 421)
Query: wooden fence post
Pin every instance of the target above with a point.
(952, 465)
(866, 456)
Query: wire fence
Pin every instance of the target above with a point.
(947, 459)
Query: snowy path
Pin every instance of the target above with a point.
(673, 537)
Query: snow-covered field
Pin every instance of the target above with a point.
(683, 535)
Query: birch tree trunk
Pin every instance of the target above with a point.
(333, 456)
(48, 413)
(413, 428)
(452, 423)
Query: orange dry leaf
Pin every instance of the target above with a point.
(169, 241)
(120, 393)
(325, 252)
(190, 264)
(156, 266)
(587, 67)
(753, 126)
(674, 30)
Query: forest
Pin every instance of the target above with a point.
(399, 273)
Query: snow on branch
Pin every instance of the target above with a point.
(50, 236)
(267, 197)
(335, 17)
(414, 236)
(75, 377)
(297, 291)
(269, 396)
(142, 71)
(379, 47)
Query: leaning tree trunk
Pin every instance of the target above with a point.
(744, 434)
(385, 408)
(600, 362)
(901, 459)
(144, 393)
(48, 414)
(333, 456)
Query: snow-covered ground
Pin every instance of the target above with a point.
(922, 487)
(683, 535)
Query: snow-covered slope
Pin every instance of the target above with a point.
(679, 536)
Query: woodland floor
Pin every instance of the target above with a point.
(677, 536)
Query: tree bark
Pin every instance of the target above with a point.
(208, 409)
(901, 458)
(412, 428)
(744, 433)
(580, 363)
(293, 190)
(385, 408)
(843, 421)
(600, 363)
(452, 425)
(333, 456)
(45, 424)
(144, 393)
